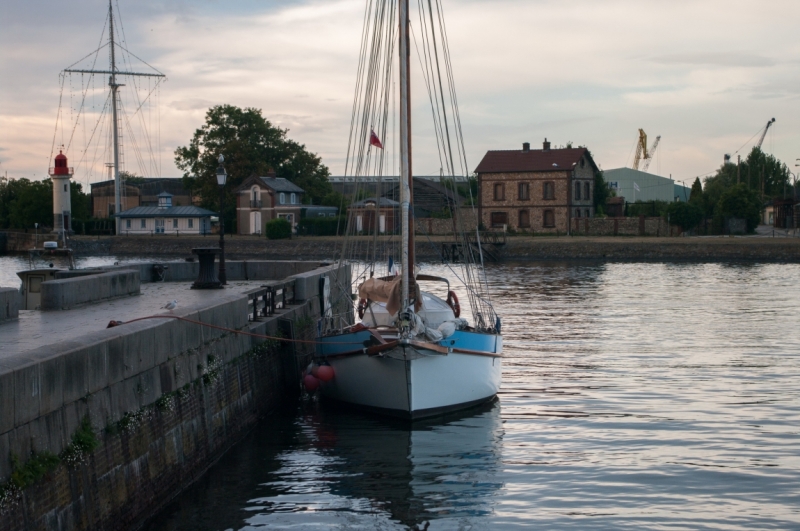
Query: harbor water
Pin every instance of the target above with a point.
(634, 396)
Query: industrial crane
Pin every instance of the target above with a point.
(764, 134)
(642, 153)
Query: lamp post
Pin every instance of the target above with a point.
(36, 241)
(222, 176)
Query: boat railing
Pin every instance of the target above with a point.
(269, 298)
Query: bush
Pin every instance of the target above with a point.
(320, 226)
(278, 229)
(685, 215)
(739, 201)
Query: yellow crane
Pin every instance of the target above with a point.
(641, 151)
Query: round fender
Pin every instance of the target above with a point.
(362, 308)
(452, 301)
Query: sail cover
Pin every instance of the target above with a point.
(388, 291)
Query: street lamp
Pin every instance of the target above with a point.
(36, 241)
(222, 176)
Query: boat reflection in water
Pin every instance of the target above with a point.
(353, 470)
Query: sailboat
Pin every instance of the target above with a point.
(412, 354)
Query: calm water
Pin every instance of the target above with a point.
(635, 396)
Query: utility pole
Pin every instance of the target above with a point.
(738, 169)
(114, 86)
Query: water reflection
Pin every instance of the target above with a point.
(333, 468)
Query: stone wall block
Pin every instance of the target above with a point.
(19, 442)
(179, 367)
(100, 409)
(27, 392)
(73, 415)
(7, 403)
(10, 304)
(51, 376)
(150, 389)
(166, 376)
(123, 398)
(76, 373)
(116, 359)
(97, 367)
(54, 436)
(5, 460)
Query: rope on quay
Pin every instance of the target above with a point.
(112, 324)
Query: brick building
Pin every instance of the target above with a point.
(262, 199)
(538, 190)
(136, 192)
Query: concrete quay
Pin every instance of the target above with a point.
(165, 398)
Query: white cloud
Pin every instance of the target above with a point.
(705, 74)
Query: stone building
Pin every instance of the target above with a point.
(539, 190)
(262, 199)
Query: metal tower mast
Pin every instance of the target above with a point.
(112, 83)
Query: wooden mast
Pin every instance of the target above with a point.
(407, 259)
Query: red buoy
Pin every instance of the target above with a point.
(311, 383)
(325, 373)
(315, 370)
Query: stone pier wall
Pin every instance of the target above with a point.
(100, 433)
(10, 303)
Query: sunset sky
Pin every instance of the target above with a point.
(704, 74)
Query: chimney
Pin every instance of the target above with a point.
(545, 145)
(526, 146)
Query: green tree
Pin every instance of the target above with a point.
(80, 203)
(685, 215)
(251, 145)
(33, 203)
(601, 192)
(696, 195)
(739, 201)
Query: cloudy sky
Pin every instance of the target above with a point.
(704, 74)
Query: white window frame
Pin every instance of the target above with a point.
(282, 198)
(144, 223)
(293, 198)
(127, 223)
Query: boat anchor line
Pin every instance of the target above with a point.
(372, 351)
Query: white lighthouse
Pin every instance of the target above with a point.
(62, 206)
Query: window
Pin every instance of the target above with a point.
(524, 219)
(577, 212)
(549, 219)
(282, 199)
(293, 198)
(586, 191)
(499, 219)
(586, 213)
(549, 190)
(144, 223)
(174, 223)
(127, 223)
(523, 192)
(65, 187)
(499, 192)
(583, 162)
(191, 223)
(577, 191)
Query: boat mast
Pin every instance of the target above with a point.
(405, 155)
(112, 82)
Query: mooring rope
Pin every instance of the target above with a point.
(113, 324)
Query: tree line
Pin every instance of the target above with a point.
(23, 203)
(739, 190)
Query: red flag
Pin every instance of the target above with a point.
(374, 140)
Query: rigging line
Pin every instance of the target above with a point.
(102, 113)
(134, 145)
(430, 98)
(451, 81)
(58, 117)
(142, 60)
(83, 97)
(441, 87)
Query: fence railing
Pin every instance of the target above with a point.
(269, 298)
(255, 203)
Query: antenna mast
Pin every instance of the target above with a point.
(114, 86)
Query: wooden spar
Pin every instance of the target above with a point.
(407, 262)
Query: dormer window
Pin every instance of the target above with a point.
(255, 194)
(293, 198)
(164, 200)
(282, 198)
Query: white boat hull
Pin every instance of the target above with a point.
(424, 384)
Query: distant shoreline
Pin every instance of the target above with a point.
(517, 248)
